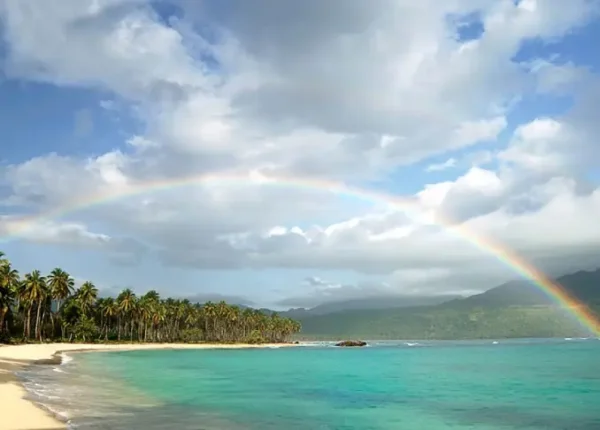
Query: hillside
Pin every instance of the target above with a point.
(514, 309)
(370, 303)
(583, 285)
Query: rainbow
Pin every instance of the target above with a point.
(412, 206)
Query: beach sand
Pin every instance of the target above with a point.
(18, 413)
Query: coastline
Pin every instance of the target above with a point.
(21, 413)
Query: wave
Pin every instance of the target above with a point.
(370, 343)
(317, 344)
(65, 359)
(48, 398)
(45, 385)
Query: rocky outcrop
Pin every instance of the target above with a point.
(348, 343)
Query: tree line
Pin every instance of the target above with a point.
(447, 322)
(34, 307)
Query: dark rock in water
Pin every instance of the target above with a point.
(351, 343)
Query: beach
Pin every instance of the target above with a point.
(18, 413)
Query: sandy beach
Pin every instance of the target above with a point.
(18, 413)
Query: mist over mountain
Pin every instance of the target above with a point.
(373, 303)
(513, 309)
(583, 285)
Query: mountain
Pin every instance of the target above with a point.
(370, 303)
(514, 309)
(583, 285)
(380, 303)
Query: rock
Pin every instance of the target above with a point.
(351, 343)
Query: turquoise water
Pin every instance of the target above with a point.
(527, 384)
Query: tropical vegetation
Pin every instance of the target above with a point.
(516, 309)
(445, 323)
(38, 307)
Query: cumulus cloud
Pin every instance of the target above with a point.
(121, 250)
(306, 93)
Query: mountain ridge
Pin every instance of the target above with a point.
(579, 284)
(512, 309)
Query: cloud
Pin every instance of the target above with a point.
(449, 163)
(121, 250)
(314, 92)
(317, 291)
(383, 98)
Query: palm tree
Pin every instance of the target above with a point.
(210, 313)
(86, 297)
(159, 315)
(83, 316)
(108, 310)
(34, 292)
(9, 282)
(126, 303)
(3, 260)
(61, 287)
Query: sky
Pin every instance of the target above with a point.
(202, 148)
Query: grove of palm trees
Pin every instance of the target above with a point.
(42, 308)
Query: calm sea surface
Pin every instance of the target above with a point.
(526, 384)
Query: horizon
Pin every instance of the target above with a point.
(484, 114)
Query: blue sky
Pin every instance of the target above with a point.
(82, 123)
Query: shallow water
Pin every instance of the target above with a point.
(525, 384)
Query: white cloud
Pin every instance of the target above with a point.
(481, 130)
(400, 90)
(121, 250)
(448, 164)
(339, 91)
(52, 232)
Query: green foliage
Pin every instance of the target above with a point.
(45, 308)
(191, 335)
(514, 309)
(255, 337)
(85, 330)
(445, 323)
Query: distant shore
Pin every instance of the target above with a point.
(19, 413)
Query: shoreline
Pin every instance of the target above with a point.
(23, 413)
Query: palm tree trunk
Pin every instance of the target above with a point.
(42, 323)
(2, 316)
(53, 323)
(29, 321)
(24, 326)
(37, 321)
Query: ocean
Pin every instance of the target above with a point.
(483, 385)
